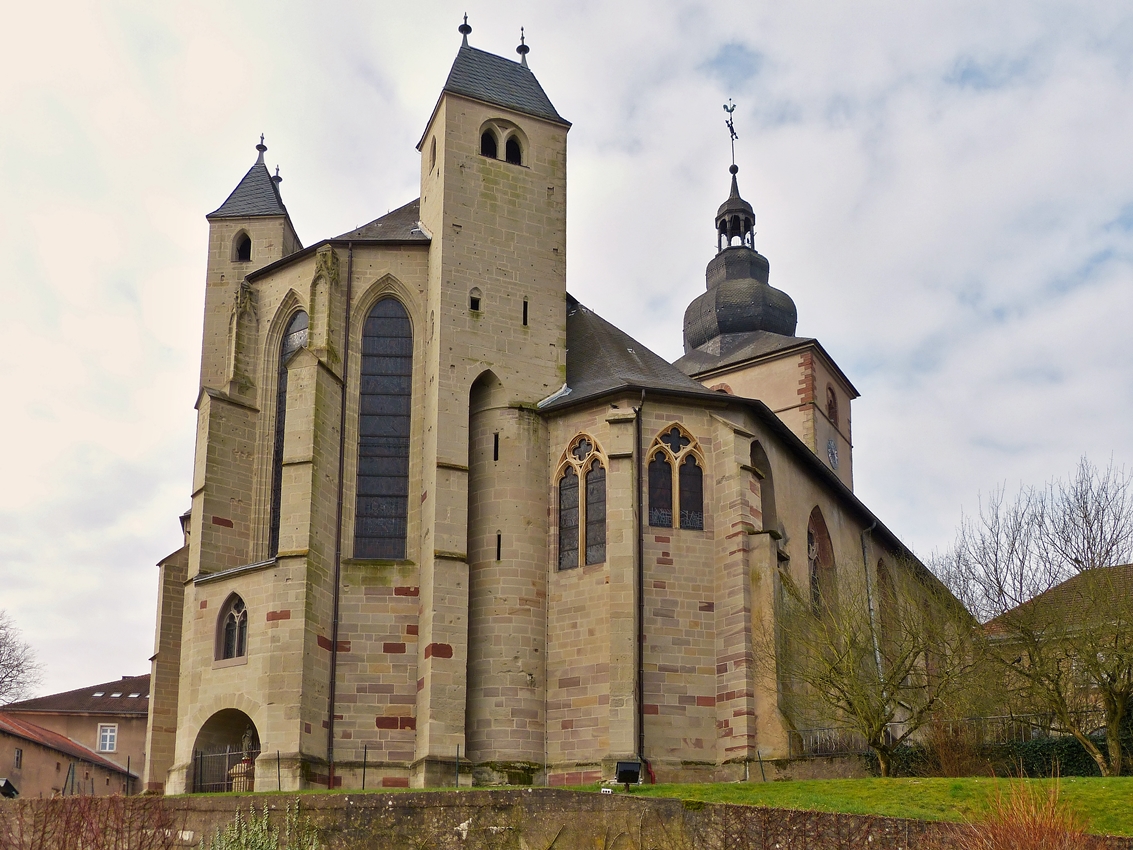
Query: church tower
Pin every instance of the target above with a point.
(493, 198)
(740, 338)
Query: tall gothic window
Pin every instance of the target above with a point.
(232, 631)
(820, 564)
(674, 455)
(692, 494)
(294, 338)
(568, 519)
(382, 507)
(660, 491)
(582, 509)
(596, 514)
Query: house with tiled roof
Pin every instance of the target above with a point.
(108, 719)
(445, 518)
(41, 762)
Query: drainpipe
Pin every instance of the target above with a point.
(338, 518)
(640, 555)
(870, 601)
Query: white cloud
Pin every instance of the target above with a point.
(943, 190)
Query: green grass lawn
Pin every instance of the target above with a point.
(1106, 803)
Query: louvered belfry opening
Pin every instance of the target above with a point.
(293, 339)
(382, 508)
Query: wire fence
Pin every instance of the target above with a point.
(227, 769)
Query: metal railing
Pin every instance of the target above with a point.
(227, 769)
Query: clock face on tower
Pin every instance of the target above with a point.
(832, 453)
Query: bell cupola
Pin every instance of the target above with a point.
(739, 300)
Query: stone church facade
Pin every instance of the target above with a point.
(441, 510)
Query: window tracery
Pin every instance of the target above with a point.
(676, 465)
(232, 631)
(582, 509)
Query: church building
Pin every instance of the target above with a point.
(446, 520)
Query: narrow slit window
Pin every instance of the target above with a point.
(525, 312)
(499, 545)
(496, 446)
(596, 514)
(692, 494)
(568, 519)
(382, 506)
(488, 145)
(512, 151)
(660, 491)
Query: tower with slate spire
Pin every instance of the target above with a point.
(247, 232)
(493, 198)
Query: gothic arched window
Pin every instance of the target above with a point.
(762, 467)
(676, 467)
(512, 151)
(820, 564)
(692, 494)
(596, 514)
(232, 629)
(488, 145)
(832, 406)
(294, 338)
(568, 519)
(384, 400)
(660, 491)
(242, 248)
(582, 509)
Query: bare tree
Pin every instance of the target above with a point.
(880, 676)
(1048, 575)
(19, 671)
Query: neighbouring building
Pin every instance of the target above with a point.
(40, 762)
(109, 719)
(440, 508)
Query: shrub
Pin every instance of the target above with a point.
(87, 823)
(1030, 818)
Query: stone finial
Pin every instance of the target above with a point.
(464, 29)
(523, 49)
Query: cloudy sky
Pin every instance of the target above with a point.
(946, 191)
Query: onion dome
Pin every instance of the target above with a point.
(739, 299)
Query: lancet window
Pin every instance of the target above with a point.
(384, 402)
(582, 504)
(294, 338)
(675, 454)
(232, 629)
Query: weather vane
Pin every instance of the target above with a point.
(730, 107)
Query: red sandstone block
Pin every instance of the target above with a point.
(659, 585)
(278, 615)
(393, 648)
(707, 606)
(420, 684)
(204, 604)
(385, 722)
(395, 782)
(407, 723)
(324, 642)
(440, 650)
(721, 668)
(307, 728)
(706, 701)
(651, 709)
(665, 562)
(411, 630)
(660, 539)
(222, 521)
(406, 591)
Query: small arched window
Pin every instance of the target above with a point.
(232, 629)
(596, 514)
(660, 491)
(474, 296)
(512, 151)
(832, 406)
(762, 467)
(294, 338)
(242, 250)
(692, 494)
(568, 519)
(433, 153)
(488, 145)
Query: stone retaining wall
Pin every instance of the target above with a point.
(551, 819)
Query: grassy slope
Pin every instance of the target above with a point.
(1105, 802)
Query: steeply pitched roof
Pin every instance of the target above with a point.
(1099, 592)
(132, 698)
(256, 195)
(493, 79)
(53, 740)
(601, 358)
(401, 225)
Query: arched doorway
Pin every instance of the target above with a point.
(224, 754)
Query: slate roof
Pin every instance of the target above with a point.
(401, 225)
(601, 358)
(492, 79)
(256, 195)
(735, 348)
(1087, 595)
(53, 740)
(84, 701)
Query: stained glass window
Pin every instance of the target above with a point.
(596, 514)
(660, 491)
(568, 519)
